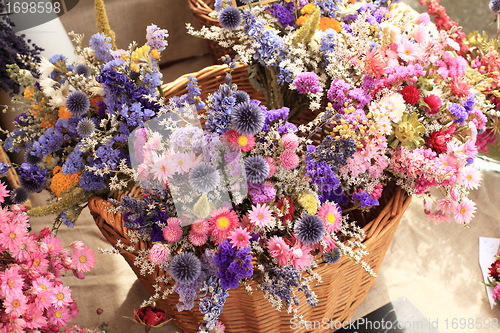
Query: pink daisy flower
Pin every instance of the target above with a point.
(58, 316)
(197, 239)
(289, 160)
(4, 192)
(12, 236)
(11, 281)
(271, 164)
(239, 142)
(240, 237)
(42, 284)
(465, 211)
(25, 250)
(15, 303)
(300, 257)
(161, 169)
(222, 222)
(73, 309)
(470, 176)
(34, 317)
(290, 141)
(84, 260)
(39, 261)
(279, 249)
(331, 215)
(260, 215)
(330, 244)
(158, 253)
(407, 51)
(44, 299)
(182, 162)
(172, 231)
(446, 205)
(53, 244)
(62, 296)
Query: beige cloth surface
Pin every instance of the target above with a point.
(435, 265)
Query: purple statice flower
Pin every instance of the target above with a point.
(92, 182)
(211, 306)
(458, 111)
(218, 117)
(364, 199)
(280, 283)
(156, 38)
(322, 175)
(468, 104)
(101, 46)
(335, 152)
(362, 96)
(12, 48)
(284, 14)
(31, 177)
(23, 119)
(261, 193)
(233, 263)
(307, 82)
(337, 93)
(287, 127)
(74, 162)
(4, 168)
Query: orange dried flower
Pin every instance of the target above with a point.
(329, 23)
(61, 182)
(302, 19)
(63, 113)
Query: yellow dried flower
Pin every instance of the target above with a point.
(407, 131)
(308, 200)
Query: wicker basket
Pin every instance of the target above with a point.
(200, 10)
(344, 285)
(11, 175)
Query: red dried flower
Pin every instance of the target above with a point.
(494, 269)
(411, 94)
(438, 140)
(151, 317)
(286, 208)
(434, 103)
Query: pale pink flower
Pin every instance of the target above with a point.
(59, 316)
(158, 253)
(200, 226)
(42, 284)
(172, 232)
(272, 165)
(84, 260)
(465, 211)
(161, 169)
(446, 205)
(438, 217)
(279, 249)
(182, 162)
(289, 160)
(240, 237)
(260, 215)
(4, 192)
(53, 244)
(407, 51)
(331, 216)
(12, 236)
(44, 299)
(153, 142)
(77, 245)
(330, 244)
(300, 257)
(15, 303)
(34, 317)
(470, 176)
(290, 141)
(197, 239)
(62, 296)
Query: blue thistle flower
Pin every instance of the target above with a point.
(78, 103)
(495, 6)
(19, 195)
(309, 229)
(241, 97)
(204, 177)
(230, 18)
(248, 118)
(85, 128)
(332, 256)
(82, 69)
(256, 169)
(185, 267)
(31, 158)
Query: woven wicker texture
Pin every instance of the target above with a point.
(344, 285)
(200, 10)
(12, 175)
